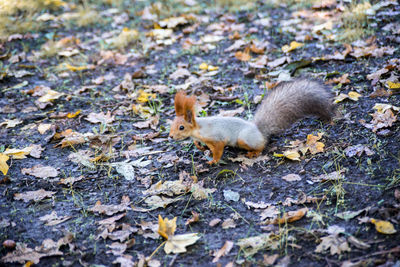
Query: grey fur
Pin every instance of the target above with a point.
(291, 101)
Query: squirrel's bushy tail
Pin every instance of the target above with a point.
(291, 101)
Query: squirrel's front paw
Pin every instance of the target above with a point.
(211, 162)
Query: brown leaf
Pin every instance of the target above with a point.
(33, 195)
(40, 171)
(195, 218)
(223, 251)
(290, 216)
(243, 56)
(111, 209)
(100, 118)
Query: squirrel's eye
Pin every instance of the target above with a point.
(181, 128)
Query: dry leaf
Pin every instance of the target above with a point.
(166, 227)
(290, 216)
(111, 209)
(293, 45)
(40, 171)
(3, 163)
(243, 56)
(178, 243)
(252, 245)
(33, 195)
(100, 117)
(195, 218)
(174, 243)
(334, 243)
(18, 153)
(179, 73)
(313, 146)
(292, 177)
(384, 227)
(10, 123)
(223, 251)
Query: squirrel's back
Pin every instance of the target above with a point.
(291, 101)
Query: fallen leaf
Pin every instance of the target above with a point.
(292, 177)
(290, 216)
(228, 223)
(179, 73)
(384, 227)
(252, 245)
(333, 243)
(195, 218)
(226, 248)
(243, 56)
(33, 195)
(40, 171)
(94, 117)
(313, 146)
(10, 123)
(50, 96)
(178, 243)
(174, 243)
(111, 209)
(333, 176)
(293, 45)
(3, 163)
(18, 153)
(53, 219)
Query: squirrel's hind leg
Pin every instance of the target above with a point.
(252, 151)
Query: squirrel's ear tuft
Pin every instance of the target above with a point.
(180, 99)
(190, 112)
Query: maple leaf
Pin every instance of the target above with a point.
(3, 163)
(94, 117)
(314, 146)
(174, 243)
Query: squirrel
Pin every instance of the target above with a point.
(283, 105)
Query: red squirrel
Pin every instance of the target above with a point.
(284, 105)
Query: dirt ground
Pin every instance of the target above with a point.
(86, 103)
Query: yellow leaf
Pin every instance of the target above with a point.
(290, 216)
(166, 227)
(393, 85)
(381, 108)
(73, 115)
(292, 154)
(212, 68)
(278, 155)
(293, 46)
(78, 68)
(49, 96)
(144, 97)
(384, 227)
(203, 66)
(354, 95)
(18, 153)
(341, 97)
(3, 163)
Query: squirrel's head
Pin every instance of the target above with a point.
(185, 122)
